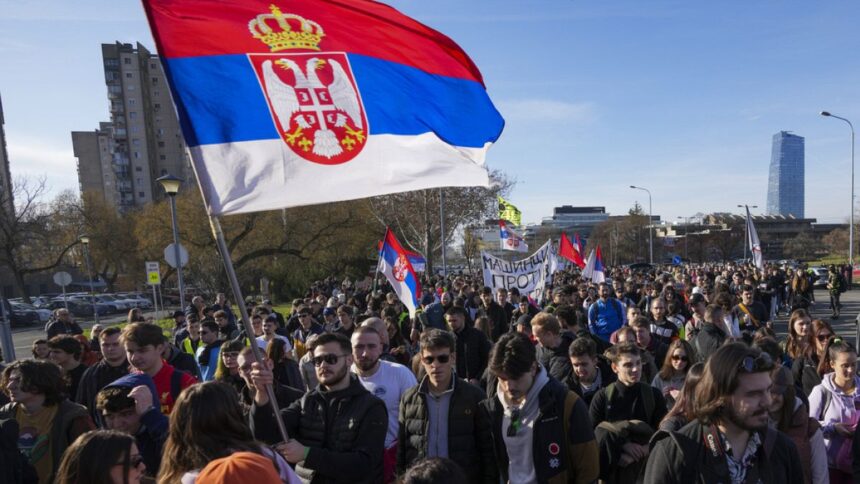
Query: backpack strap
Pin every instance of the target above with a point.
(176, 383)
(647, 399)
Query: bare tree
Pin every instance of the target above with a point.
(415, 216)
(33, 238)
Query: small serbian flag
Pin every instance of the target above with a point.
(285, 103)
(394, 263)
(511, 240)
(598, 275)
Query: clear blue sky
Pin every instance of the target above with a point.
(679, 97)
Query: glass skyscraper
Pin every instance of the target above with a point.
(785, 186)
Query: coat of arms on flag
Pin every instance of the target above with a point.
(511, 240)
(314, 102)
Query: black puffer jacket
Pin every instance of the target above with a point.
(707, 341)
(473, 352)
(555, 360)
(470, 442)
(344, 429)
(683, 457)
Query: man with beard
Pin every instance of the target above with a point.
(386, 380)
(606, 314)
(473, 347)
(502, 299)
(729, 440)
(337, 430)
(492, 310)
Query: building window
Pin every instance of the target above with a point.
(127, 60)
(141, 194)
(162, 157)
(154, 81)
(157, 106)
(156, 93)
(137, 154)
(138, 168)
(132, 114)
(128, 75)
(131, 87)
(132, 102)
(135, 142)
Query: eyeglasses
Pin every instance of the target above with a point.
(762, 362)
(428, 360)
(679, 358)
(515, 423)
(823, 337)
(329, 359)
(231, 354)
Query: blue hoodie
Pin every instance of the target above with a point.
(152, 433)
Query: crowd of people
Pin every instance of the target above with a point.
(672, 376)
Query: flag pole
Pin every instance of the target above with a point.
(243, 311)
(442, 231)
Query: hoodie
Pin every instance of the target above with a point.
(152, 433)
(519, 446)
(830, 405)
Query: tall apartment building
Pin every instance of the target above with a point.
(6, 196)
(122, 159)
(785, 187)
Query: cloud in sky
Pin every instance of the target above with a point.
(37, 158)
(545, 110)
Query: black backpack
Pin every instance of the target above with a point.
(14, 467)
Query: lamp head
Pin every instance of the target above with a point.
(825, 113)
(170, 184)
(85, 239)
(632, 186)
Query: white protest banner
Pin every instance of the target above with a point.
(529, 275)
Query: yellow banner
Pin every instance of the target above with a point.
(509, 212)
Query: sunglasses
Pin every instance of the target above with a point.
(515, 423)
(428, 360)
(679, 358)
(823, 337)
(762, 362)
(329, 359)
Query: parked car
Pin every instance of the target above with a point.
(44, 314)
(821, 276)
(22, 316)
(136, 300)
(80, 308)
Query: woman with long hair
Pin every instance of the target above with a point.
(670, 378)
(286, 370)
(135, 316)
(834, 403)
(207, 424)
(790, 416)
(799, 335)
(101, 457)
(807, 370)
(227, 370)
(681, 412)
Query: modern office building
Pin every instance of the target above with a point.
(6, 196)
(568, 216)
(122, 159)
(785, 187)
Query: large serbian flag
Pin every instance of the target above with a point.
(394, 263)
(570, 251)
(296, 102)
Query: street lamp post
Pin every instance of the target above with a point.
(746, 235)
(851, 224)
(86, 243)
(650, 223)
(171, 185)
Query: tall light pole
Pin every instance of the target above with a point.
(650, 223)
(86, 243)
(851, 224)
(171, 185)
(746, 235)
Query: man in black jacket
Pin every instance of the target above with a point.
(540, 429)
(442, 417)
(730, 440)
(473, 347)
(337, 431)
(495, 312)
(711, 335)
(112, 366)
(552, 345)
(589, 371)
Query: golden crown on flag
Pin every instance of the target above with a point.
(282, 31)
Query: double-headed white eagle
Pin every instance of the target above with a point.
(285, 102)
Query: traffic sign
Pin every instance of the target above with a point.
(676, 260)
(153, 273)
(170, 255)
(62, 278)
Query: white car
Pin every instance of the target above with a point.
(821, 274)
(136, 301)
(44, 314)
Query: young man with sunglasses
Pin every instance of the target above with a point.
(730, 439)
(540, 430)
(442, 418)
(386, 380)
(337, 431)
